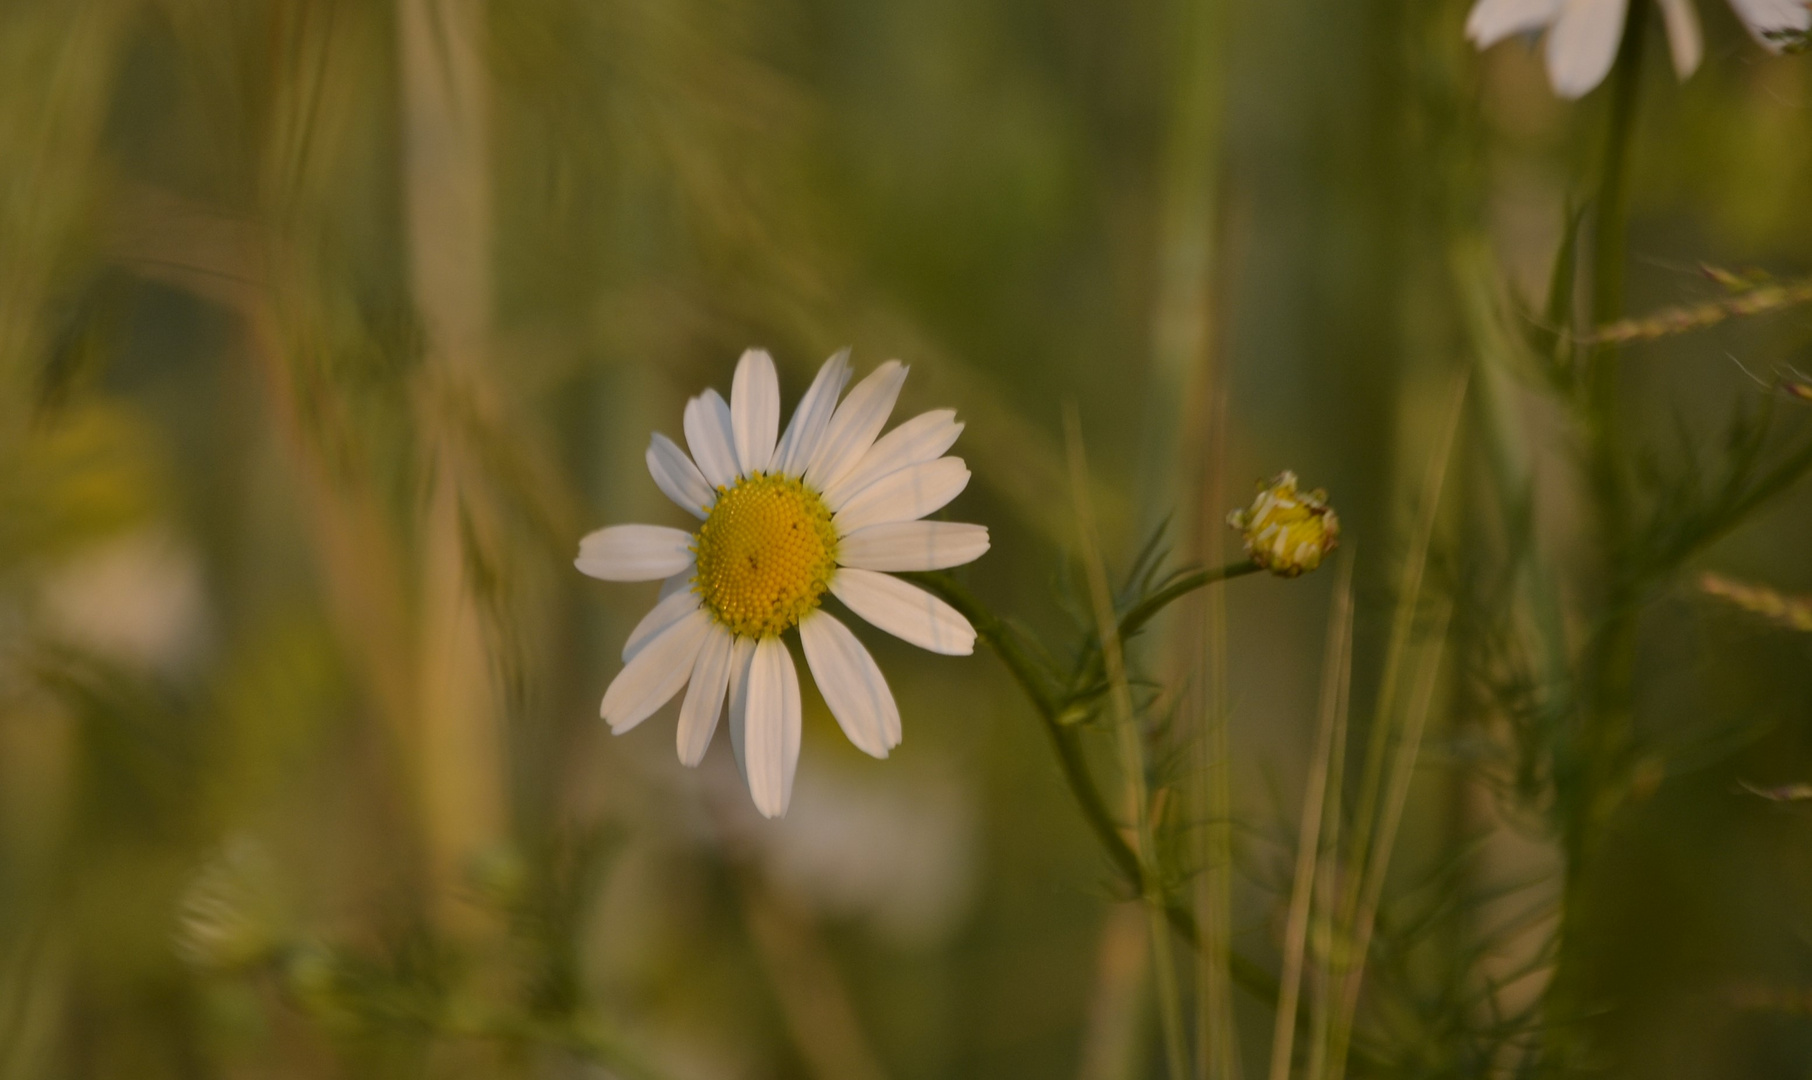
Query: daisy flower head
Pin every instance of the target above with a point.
(1582, 36)
(828, 505)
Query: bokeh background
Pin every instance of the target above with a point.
(327, 328)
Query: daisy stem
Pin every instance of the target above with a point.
(1612, 657)
(1050, 696)
(1585, 776)
(1024, 660)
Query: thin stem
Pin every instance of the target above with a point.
(1335, 670)
(1028, 672)
(1402, 772)
(1584, 769)
(1132, 756)
(1183, 584)
(1039, 685)
(1037, 681)
(1610, 672)
(1409, 597)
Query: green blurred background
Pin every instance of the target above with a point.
(328, 326)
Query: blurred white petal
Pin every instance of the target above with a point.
(1775, 23)
(705, 696)
(634, 553)
(711, 438)
(806, 429)
(851, 683)
(138, 598)
(677, 477)
(771, 728)
(856, 423)
(1582, 44)
(674, 605)
(755, 410)
(1685, 43)
(742, 654)
(906, 495)
(1492, 21)
(656, 674)
(905, 611)
(920, 439)
(913, 545)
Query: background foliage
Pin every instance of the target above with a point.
(327, 327)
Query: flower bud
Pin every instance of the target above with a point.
(1288, 532)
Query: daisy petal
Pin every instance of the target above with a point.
(674, 605)
(742, 654)
(1582, 44)
(1684, 41)
(677, 477)
(923, 438)
(634, 553)
(705, 696)
(851, 683)
(655, 675)
(711, 439)
(906, 495)
(857, 421)
(913, 545)
(806, 429)
(1775, 23)
(1492, 21)
(905, 611)
(771, 727)
(755, 410)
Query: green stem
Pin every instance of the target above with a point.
(1613, 652)
(1040, 685)
(1182, 585)
(1585, 769)
(1019, 656)
(1008, 643)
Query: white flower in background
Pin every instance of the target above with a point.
(138, 598)
(1583, 35)
(826, 507)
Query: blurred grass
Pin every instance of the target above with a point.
(294, 449)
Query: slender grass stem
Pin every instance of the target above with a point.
(1610, 673)
(1585, 769)
(1402, 772)
(1336, 670)
(1040, 686)
(1132, 756)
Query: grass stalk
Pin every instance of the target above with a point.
(1373, 779)
(1409, 597)
(1132, 756)
(445, 99)
(1586, 770)
(1373, 875)
(1336, 676)
(1217, 1035)
(1327, 877)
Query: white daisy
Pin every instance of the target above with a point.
(1583, 35)
(826, 507)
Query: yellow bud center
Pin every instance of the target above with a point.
(765, 555)
(1288, 532)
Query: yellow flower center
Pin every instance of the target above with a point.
(1287, 532)
(765, 555)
